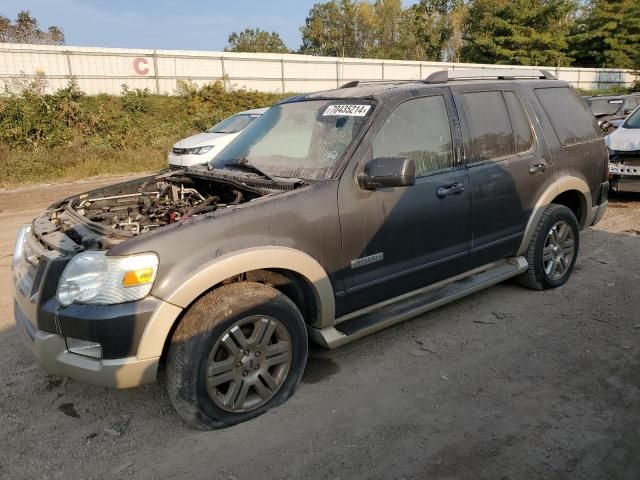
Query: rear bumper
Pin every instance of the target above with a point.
(50, 351)
(597, 212)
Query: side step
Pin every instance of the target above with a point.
(382, 315)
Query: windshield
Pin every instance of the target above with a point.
(604, 106)
(298, 140)
(633, 120)
(234, 124)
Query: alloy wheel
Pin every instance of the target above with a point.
(248, 364)
(558, 251)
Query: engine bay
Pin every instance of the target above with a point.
(134, 208)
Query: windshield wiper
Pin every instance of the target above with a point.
(245, 165)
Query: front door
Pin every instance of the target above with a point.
(399, 239)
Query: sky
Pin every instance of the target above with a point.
(184, 24)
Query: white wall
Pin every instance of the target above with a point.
(104, 70)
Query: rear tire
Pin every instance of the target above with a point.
(553, 249)
(239, 351)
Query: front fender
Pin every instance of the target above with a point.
(227, 266)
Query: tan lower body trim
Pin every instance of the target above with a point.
(157, 331)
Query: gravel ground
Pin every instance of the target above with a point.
(505, 384)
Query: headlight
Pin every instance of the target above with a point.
(19, 248)
(200, 150)
(95, 278)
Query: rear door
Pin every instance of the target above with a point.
(398, 239)
(508, 167)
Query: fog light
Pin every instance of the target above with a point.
(84, 347)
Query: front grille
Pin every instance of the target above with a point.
(179, 151)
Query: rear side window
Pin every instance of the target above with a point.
(522, 133)
(568, 114)
(491, 135)
(418, 129)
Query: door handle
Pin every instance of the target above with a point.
(449, 190)
(537, 168)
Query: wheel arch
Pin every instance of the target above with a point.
(266, 264)
(572, 192)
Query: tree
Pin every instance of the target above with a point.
(256, 40)
(607, 34)
(524, 32)
(350, 29)
(433, 29)
(323, 32)
(25, 29)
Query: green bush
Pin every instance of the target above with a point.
(69, 135)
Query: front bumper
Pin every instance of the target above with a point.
(189, 160)
(50, 351)
(46, 326)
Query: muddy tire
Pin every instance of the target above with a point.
(238, 351)
(553, 249)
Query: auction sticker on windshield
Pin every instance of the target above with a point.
(346, 110)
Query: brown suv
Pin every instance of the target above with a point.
(334, 215)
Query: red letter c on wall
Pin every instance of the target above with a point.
(140, 66)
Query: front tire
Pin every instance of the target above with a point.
(553, 249)
(240, 350)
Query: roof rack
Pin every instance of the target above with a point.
(355, 83)
(444, 76)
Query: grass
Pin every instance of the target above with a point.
(69, 136)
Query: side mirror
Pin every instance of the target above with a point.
(385, 172)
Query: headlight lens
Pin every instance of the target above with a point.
(200, 150)
(95, 278)
(19, 248)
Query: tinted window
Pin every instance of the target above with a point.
(604, 106)
(522, 133)
(568, 114)
(490, 130)
(418, 129)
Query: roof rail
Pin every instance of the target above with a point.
(352, 84)
(444, 76)
(356, 83)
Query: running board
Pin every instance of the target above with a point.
(382, 315)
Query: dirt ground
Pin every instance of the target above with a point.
(505, 384)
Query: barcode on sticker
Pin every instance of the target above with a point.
(346, 110)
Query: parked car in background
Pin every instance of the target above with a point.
(203, 147)
(624, 154)
(611, 110)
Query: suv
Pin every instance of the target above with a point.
(611, 110)
(334, 215)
